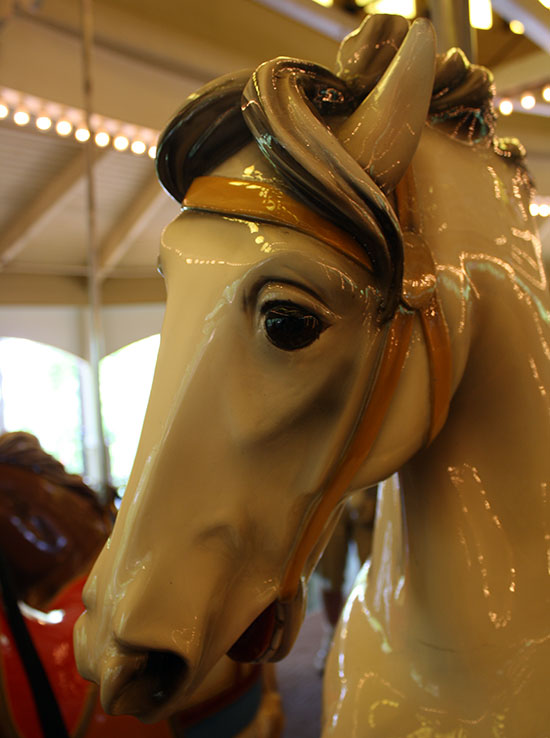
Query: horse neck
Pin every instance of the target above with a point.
(475, 550)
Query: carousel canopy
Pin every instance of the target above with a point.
(147, 57)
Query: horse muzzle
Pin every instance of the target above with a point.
(151, 684)
(133, 681)
(142, 683)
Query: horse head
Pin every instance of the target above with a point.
(309, 347)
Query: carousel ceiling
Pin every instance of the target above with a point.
(147, 58)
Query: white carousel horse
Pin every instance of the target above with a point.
(355, 288)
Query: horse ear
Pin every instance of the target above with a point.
(383, 132)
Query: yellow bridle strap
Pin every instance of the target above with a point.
(385, 384)
(262, 202)
(438, 345)
(259, 201)
(396, 347)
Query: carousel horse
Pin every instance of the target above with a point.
(52, 527)
(354, 289)
(355, 526)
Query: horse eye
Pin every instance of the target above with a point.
(291, 327)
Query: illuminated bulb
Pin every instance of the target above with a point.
(152, 152)
(63, 127)
(546, 93)
(544, 210)
(534, 209)
(138, 147)
(21, 117)
(102, 138)
(528, 101)
(516, 26)
(4, 111)
(481, 14)
(406, 8)
(546, 3)
(324, 3)
(506, 107)
(82, 134)
(121, 143)
(43, 122)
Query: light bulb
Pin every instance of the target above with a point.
(481, 14)
(506, 107)
(63, 127)
(516, 26)
(138, 147)
(528, 101)
(121, 143)
(21, 117)
(102, 138)
(82, 134)
(43, 122)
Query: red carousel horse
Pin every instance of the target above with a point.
(52, 526)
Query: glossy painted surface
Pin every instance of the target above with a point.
(447, 632)
(447, 635)
(263, 447)
(51, 528)
(78, 700)
(52, 525)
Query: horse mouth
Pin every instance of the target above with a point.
(271, 635)
(262, 639)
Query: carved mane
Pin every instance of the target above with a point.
(229, 112)
(24, 450)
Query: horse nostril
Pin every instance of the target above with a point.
(164, 671)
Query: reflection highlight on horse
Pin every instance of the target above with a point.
(52, 527)
(355, 288)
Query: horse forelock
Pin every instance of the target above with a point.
(291, 108)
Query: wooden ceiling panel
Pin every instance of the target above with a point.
(148, 57)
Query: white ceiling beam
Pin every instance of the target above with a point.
(119, 81)
(126, 229)
(50, 201)
(331, 22)
(536, 19)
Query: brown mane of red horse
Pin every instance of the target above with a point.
(52, 524)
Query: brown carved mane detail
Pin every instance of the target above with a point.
(23, 449)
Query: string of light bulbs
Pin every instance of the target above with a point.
(65, 121)
(541, 207)
(526, 101)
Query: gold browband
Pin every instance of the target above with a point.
(263, 202)
(260, 201)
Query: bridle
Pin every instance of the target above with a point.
(259, 201)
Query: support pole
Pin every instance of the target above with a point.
(97, 455)
(451, 19)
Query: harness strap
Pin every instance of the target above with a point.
(263, 202)
(260, 201)
(371, 419)
(438, 345)
(229, 712)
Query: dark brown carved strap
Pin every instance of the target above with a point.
(49, 714)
